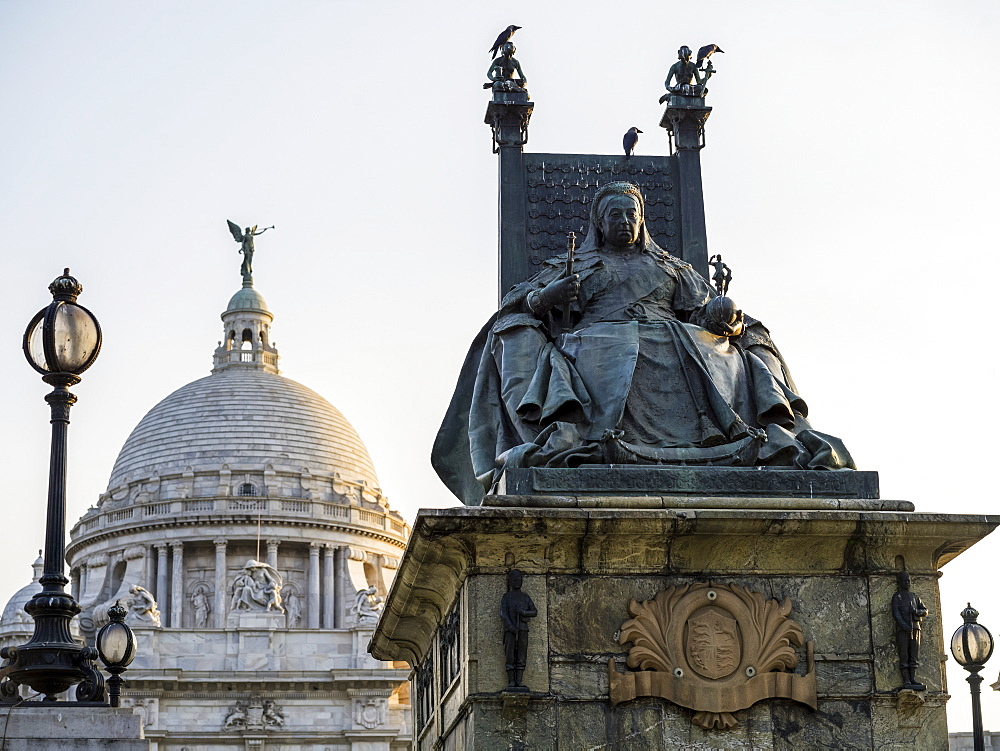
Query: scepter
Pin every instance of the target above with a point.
(570, 248)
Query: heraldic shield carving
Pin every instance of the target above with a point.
(713, 648)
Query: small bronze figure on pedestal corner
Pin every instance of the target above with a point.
(907, 612)
(690, 79)
(515, 608)
(501, 72)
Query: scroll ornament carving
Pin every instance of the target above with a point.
(713, 648)
(370, 713)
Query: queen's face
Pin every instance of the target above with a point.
(620, 221)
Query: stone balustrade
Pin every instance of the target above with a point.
(223, 506)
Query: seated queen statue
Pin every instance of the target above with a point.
(653, 368)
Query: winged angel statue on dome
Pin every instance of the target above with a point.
(245, 238)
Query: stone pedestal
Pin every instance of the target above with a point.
(63, 727)
(256, 620)
(586, 559)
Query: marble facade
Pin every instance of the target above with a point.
(244, 466)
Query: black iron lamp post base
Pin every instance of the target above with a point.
(52, 660)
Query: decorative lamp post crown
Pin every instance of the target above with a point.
(972, 643)
(66, 287)
(63, 337)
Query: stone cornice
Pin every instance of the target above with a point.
(447, 543)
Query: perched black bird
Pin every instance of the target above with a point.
(630, 140)
(505, 35)
(706, 52)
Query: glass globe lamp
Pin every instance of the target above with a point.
(972, 646)
(63, 337)
(116, 645)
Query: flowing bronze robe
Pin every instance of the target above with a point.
(635, 379)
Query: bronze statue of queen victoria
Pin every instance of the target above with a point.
(654, 368)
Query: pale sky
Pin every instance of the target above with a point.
(849, 177)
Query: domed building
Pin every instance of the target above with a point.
(245, 530)
(16, 626)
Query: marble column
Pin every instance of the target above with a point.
(147, 569)
(177, 590)
(219, 606)
(312, 598)
(328, 586)
(83, 581)
(161, 581)
(340, 604)
(272, 553)
(74, 583)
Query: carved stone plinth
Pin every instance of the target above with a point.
(684, 482)
(44, 726)
(672, 627)
(256, 620)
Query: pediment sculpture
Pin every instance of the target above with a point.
(715, 649)
(142, 608)
(257, 587)
(368, 606)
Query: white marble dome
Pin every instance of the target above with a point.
(243, 520)
(248, 419)
(13, 612)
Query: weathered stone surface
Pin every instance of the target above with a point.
(836, 724)
(823, 600)
(582, 725)
(843, 677)
(579, 678)
(910, 720)
(753, 732)
(747, 482)
(648, 724)
(41, 727)
(583, 567)
(533, 728)
(604, 599)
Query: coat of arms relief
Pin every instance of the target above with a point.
(713, 648)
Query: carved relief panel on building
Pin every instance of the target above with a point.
(254, 714)
(713, 648)
(370, 712)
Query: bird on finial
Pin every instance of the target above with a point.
(630, 140)
(706, 52)
(505, 36)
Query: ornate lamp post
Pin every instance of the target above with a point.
(116, 645)
(972, 646)
(61, 342)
